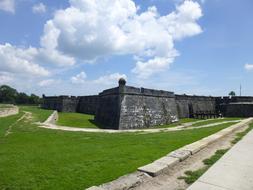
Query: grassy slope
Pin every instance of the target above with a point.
(35, 158)
(76, 120)
(38, 114)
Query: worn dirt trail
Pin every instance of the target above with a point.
(26, 117)
(178, 128)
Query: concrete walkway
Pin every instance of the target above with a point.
(234, 171)
(178, 128)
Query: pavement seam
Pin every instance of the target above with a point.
(215, 185)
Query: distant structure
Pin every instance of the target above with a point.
(127, 107)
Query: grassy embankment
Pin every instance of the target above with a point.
(76, 120)
(37, 158)
(87, 121)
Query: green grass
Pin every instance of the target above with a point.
(180, 122)
(37, 158)
(192, 176)
(5, 122)
(76, 120)
(39, 114)
(211, 121)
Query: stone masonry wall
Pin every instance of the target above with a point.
(108, 109)
(143, 108)
(69, 104)
(52, 103)
(188, 105)
(126, 107)
(87, 104)
(242, 109)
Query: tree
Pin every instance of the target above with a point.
(12, 96)
(232, 93)
(33, 99)
(22, 98)
(8, 94)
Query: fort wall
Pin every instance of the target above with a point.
(126, 107)
(142, 108)
(188, 105)
(87, 104)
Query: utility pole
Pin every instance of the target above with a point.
(240, 90)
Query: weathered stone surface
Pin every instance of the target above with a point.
(180, 154)
(80, 104)
(195, 147)
(188, 105)
(154, 169)
(143, 111)
(128, 181)
(166, 160)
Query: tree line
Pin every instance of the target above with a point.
(12, 96)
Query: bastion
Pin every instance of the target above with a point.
(127, 107)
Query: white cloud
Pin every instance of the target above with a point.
(46, 82)
(110, 79)
(106, 80)
(79, 78)
(88, 30)
(39, 8)
(248, 67)
(5, 78)
(20, 61)
(7, 5)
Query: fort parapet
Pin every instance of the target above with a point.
(126, 107)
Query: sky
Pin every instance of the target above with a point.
(81, 47)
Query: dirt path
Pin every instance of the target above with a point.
(170, 181)
(27, 117)
(178, 128)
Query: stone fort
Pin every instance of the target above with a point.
(127, 107)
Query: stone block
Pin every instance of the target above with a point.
(154, 169)
(180, 154)
(166, 160)
(195, 147)
(127, 181)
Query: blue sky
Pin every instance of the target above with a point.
(81, 47)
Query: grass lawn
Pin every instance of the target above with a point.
(37, 158)
(210, 121)
(76, 120)
(39, 114)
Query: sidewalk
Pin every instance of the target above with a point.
(234, 171)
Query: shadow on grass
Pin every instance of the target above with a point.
(99, 125)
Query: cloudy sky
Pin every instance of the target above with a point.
(81, 47)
